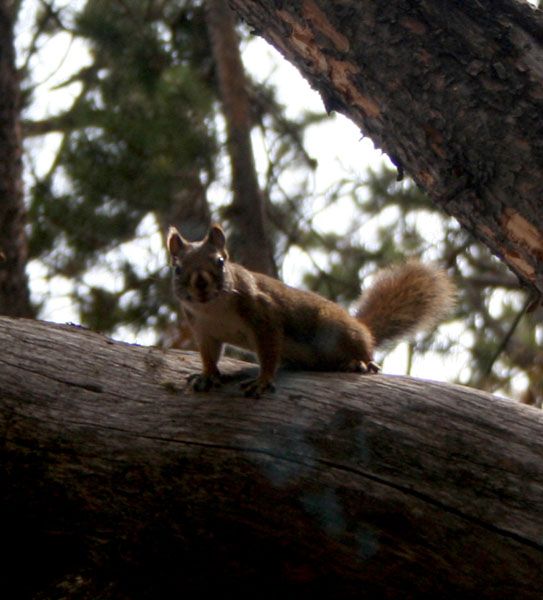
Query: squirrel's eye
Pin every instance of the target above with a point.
(177, 270)
(219, 261)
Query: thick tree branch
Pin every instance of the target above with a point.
(113, 474)
(452, 91)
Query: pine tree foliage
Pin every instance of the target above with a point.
(143, 135)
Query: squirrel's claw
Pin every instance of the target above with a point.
(367, 368)
(201, 382)
(373, 367)
(254, 388)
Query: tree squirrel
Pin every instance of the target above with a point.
(226, 303)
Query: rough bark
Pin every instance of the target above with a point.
(189, 212)
(14, 293)
(117, 482)
(452, 91)
(250, 240)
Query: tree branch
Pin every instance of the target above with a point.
(449, 90)
(251, 236)
(110, 468)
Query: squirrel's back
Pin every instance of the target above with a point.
(404, 299)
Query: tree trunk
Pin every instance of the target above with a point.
(14, 293)
(451, 91)
(250, 240)
(118, 482)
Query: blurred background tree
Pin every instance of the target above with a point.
(14, 289)
(146, 140)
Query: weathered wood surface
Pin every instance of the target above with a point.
(451, 91)
(116, 481)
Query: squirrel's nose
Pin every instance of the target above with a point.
(201, 282)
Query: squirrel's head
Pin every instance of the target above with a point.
(198, 267)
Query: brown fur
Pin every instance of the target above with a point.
(404, 299)
(226, 303)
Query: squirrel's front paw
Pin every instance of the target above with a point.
(200, 382)
(254, 388)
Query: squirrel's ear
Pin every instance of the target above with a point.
(175, 243)
(216, 237)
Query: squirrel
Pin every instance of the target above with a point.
(226, 303)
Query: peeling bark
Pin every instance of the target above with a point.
(451, 91)
(118, 482)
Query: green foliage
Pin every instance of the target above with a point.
(143, 127)
(141, 121)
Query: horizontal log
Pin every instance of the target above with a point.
(118, 481)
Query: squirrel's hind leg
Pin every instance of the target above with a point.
(269, 353)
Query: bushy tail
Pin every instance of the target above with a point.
(404, 299)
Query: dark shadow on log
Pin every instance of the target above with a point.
(118, 482)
